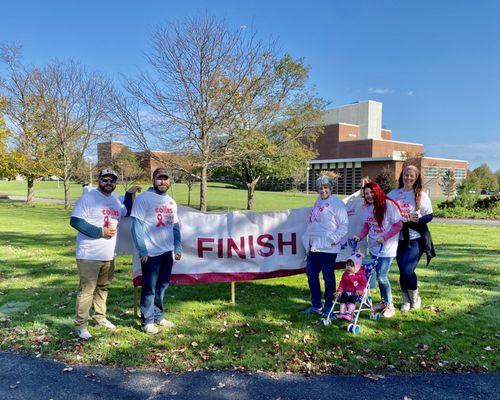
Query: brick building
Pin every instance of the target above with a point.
(106, 151)
(355, 145)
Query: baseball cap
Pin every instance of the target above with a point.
(160, 171)
(107, 171)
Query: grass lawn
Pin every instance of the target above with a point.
(457, 330)
(221, 196)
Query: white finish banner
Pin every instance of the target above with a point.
(240, 245)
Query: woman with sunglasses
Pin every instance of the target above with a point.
(382, 223)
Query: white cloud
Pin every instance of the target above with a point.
(410, 93)
(475, 153)
(380, 90)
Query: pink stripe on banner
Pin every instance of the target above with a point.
(187, 279)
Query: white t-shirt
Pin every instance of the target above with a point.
(406, 201)
(326, 226)
(159, 214)
(392, 216)
(97, 209)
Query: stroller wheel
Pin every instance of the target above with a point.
(372, 316)
(326, 321)
(355, 329)
(349, 327)
(377, 317)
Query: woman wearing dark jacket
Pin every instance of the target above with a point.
(414, 239)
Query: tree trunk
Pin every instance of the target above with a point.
(29, 196)
(251, 192)
(203, 188)
(67, 197)
(190, 186)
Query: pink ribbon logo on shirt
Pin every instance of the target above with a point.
(159, 218)
(106, 221)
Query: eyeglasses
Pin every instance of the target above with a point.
(108, 180)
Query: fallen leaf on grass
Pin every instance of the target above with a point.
(489, 348)
(374, 377)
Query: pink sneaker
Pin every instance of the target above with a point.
(340, 316)
(348, 317)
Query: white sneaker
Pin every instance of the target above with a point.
(150, 328)
(83, 333)
(166, 323)
(106, 324)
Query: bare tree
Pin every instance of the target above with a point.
(26, 117)
(77, 100)
(277, 123)
(198, 68)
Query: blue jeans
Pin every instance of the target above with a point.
(155, 279)
(324, 262)
(407, 258)
(382, 276)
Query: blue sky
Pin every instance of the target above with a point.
(434, 64)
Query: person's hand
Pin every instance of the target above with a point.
(134, 189)
(178, 256)
(359, 293)
(108, 232)
(356, 238)
(380, 240)
(338, 294)
(144, 259)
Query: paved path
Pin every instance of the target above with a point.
(36, 199)
(484, 222)
(29, 378)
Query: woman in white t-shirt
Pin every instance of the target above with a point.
(414, 239)
(326, 227)
(382, 223)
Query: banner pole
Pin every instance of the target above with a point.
(233, 293)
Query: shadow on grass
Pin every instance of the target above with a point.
(265, 329)
(49, 241)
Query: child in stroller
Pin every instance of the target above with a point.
(351, 287)
(350, 293)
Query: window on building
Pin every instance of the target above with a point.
(348, 179)
(357, 176)
(341, 180)
(444, 171)
(430, 172)
(459, 173)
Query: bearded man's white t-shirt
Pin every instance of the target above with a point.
(97, 209)
(159, 214)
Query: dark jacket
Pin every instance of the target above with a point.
(427, 246)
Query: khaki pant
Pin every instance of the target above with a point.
(95, 278)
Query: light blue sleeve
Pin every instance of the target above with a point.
(177, 239)
(138, 236)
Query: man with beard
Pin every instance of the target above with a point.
(156, 234)
(95, 216)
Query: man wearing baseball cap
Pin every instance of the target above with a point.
(157, 237)
(95, 216)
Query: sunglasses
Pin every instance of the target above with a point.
(108, 180)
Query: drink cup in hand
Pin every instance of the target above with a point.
(113, 224)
